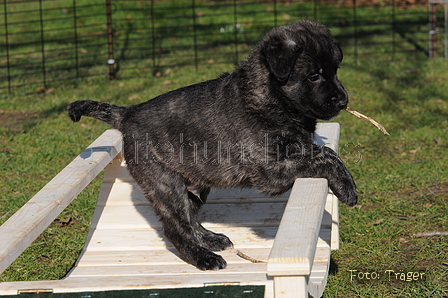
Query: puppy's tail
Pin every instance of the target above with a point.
(109, 113)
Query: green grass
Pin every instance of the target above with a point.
(402, 179)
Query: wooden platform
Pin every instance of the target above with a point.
(126, 249)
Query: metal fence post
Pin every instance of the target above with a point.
(394, 30)
(75, 36)
(195, 40)
(8, 63)
(110, 40)
(355, 31)
(236, 28)
(153, 37)
(432, 30)
(446, 29)
(42, 42)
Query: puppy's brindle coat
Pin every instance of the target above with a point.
(255, 129)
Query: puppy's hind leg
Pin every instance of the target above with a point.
(210, 240)
(178, 214)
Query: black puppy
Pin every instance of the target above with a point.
(250, 128)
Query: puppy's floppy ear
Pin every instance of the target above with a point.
(281, 57)
(339, 54)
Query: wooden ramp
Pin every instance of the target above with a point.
(282, 243)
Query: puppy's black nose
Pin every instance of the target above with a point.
(341, 102)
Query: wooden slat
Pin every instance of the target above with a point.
(142, 239)
(327, 134)
(19, 231)
(128, 193)
(319, 273)
(230, 195)
(327, 220)
(110, 283)
(290, 287)
(296, 239)
(212, 215)
(334, 223)
(173, 270)
(160, 256)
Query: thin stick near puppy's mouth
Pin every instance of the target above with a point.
(367, 118)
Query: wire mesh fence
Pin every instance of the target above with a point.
(49, 42)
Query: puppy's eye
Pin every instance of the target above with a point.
(314, 77)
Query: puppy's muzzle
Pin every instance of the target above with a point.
(341, 101)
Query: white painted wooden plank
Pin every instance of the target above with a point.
(117, 172)
(324, 237)
(327, 134)
(120, 194)
(318, 281)
(106, 283)
(21, 229)
(232, 195)
(261, 214)
(269, 288)
(117, 192)
(320, 269)
(327, 220)
(335, 223)
(321, 262)
(129, 258)
(129, 194)
(162, 256)
(295, 242)
(212, 215)
(322, 254)
(164, 269)
(109, 240)
(290, 287)
(319, 272)
(317, 277)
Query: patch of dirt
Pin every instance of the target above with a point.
(11, 119)
(437, 189)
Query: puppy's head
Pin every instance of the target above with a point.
(302, 59)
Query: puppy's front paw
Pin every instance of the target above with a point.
(214, 241)
(350, 198)
(340, 180)
(207, 260)
(345, 190)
